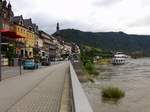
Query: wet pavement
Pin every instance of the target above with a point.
(133, 78)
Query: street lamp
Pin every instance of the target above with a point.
(20, 63)
(0, 43)
(0, 58)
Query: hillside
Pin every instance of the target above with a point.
(111, 41)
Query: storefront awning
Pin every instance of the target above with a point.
(5, 29)
(10, 34)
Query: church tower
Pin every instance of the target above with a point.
(9, 6)
(58, 35)
(4, 3)
(57, 28)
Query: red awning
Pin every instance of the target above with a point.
(4, 30)
(10, 34)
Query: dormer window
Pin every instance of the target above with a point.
(30, 28)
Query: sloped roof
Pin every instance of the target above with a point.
(35, 26)
(17, 18)
(28, 22)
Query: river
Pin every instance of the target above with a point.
(133, 78)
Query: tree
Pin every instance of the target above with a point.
(10, 53)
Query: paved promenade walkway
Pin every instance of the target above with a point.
(38, 91)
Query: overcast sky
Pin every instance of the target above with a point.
(130, 16)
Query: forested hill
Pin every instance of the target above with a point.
(111, 41)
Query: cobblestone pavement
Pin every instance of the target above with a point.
(38, 91)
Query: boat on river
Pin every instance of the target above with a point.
(120, 58)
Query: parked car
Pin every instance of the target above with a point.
(30, 64)
(45, 62)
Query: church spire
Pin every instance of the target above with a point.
(57, 28)
(9, 5)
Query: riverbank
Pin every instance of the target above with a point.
(104, 61)
(82, 74)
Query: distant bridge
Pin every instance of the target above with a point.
(51, 89)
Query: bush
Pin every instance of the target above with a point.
(89, 67)
(111, 92)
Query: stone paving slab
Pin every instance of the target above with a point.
(14, 89)
(46, 97)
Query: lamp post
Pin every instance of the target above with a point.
(0, 43)
(0, 58)
(20, 63)
(38, 51)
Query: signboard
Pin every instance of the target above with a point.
(4, 25)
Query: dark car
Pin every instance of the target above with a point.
(30, 64)
(45, 62)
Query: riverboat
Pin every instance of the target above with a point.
(120, 58)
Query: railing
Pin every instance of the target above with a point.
(80, 101)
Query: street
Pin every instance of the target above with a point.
(8, 72)
(39, 90)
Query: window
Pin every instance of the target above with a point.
(5, 15)
(22, 52)
(43, 53)
(30, 28)
(26, 53)
(30, 53)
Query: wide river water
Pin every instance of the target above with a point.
(133, 78)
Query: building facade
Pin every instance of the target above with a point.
(25, 29)
(6, 15)
(46, 44)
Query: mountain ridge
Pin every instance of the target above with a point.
(110, 41)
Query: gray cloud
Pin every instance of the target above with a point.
(90, 15)
(143, 22)
(49, 25)
(106, 2)
(24, 4)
